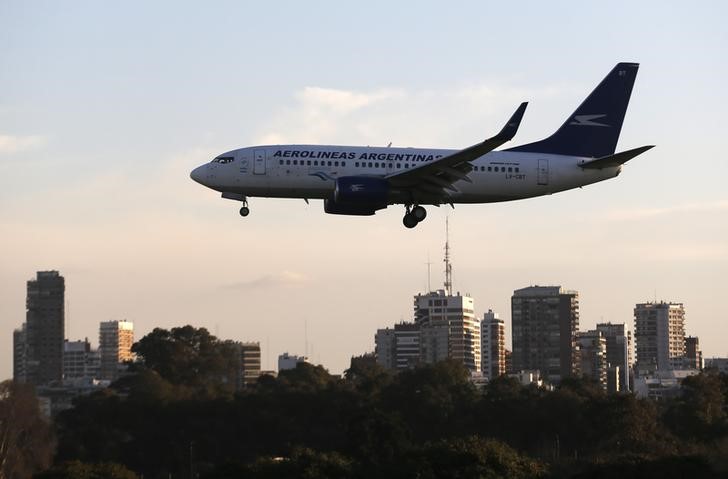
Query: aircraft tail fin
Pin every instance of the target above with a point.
(593, 129)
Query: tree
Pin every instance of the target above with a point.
(81, 470)
(305, 377)
(700, 411)
(191, 357)
(26, 439)
(471, 456)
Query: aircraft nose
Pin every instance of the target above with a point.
(198, 174)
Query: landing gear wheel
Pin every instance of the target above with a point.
(244, 211)
(409, 220)
(419, 213)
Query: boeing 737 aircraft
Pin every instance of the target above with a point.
(356, 180)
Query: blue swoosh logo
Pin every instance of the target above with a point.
(322, 176)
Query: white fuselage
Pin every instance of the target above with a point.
(310, 171)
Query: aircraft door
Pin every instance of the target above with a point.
(543, 172)
(259, 162)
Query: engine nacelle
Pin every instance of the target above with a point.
(334, 208)
(362, 190)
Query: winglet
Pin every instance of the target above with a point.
(511, 127)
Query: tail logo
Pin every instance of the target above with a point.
(588, 120)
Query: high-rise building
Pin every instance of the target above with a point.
(659, 333)
(250, 357)
(493, 345)
(448, 328)
(545, 320)
(619, 352)
(385, 348)
(693, 354)
(398, 348)
(593, 356)
(44, 333)
(20, 354)
(115, 341)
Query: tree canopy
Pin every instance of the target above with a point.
(425, 422)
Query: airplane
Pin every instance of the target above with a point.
(360, 180)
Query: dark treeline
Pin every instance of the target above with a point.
(178, 414)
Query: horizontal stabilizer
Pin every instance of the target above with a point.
(616, 159)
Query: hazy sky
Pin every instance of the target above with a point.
(105, 107)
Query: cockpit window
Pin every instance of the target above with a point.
(224, 159)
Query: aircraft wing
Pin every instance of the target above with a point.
(435, 177)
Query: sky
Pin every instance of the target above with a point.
(105, 107)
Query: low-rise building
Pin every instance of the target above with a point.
(661, 384)
(290, 361)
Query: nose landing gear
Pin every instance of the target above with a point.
(245, 211)
(414, 216)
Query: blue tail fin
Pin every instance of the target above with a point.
(593, 129)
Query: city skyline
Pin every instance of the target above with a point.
(104, 112)
(116, 333)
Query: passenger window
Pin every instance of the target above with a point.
(343, 163)
(516, 169)
(356, 164)
(510, 169)
(376, 165)
(336, 163)
(406, 165)
(329, 163)
(288, 162)
(370, 165)
(280, 162)
(398, 166)
(489, 168)
(308, 163)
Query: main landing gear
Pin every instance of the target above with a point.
(414, 216)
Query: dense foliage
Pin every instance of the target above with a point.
(26, 437)
(427, 422)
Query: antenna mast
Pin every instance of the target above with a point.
(448, 266)
(429, 288)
